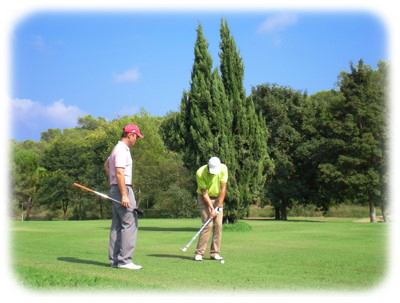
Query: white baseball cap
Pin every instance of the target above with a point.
(214, 165)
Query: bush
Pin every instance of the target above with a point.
(158, 213)
(265, 212)
(299, 210)
(177, 202)
(237, 226)
(350, 211)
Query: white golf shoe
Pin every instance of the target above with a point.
(129, 266)
(198, 257)
(217, 257)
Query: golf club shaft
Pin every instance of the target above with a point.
(195, 236)
(139, 211)
(96, 193)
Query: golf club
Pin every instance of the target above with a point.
(217, 211)
(137, 210)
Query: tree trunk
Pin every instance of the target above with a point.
(138, 202)
(283, 212)
(65, 209)
(29, 209)
(229, 219)
(277, 213)
(101, 208)
(371, 211)
(383, 211)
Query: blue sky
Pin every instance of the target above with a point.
(67, 65)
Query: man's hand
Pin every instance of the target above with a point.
(125, 201)
(212, 212)
(218, 209)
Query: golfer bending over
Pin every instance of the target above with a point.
(124, 225)
(211, 189)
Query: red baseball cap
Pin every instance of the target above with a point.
(133, 128)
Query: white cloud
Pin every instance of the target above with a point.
(30, 113)
(68, 115)
(130, 75)
(278, 22)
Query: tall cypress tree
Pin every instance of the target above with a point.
(251, 164)
(193, 122)
(216, 119)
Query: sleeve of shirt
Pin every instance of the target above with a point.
(224, 174)
(120, 159)
(201, 184)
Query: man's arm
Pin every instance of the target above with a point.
(207, 200)
(122, 187)
(222, 195)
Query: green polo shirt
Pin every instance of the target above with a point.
(212, 183)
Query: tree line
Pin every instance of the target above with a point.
(282, 147)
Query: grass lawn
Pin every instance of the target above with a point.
(303, 254)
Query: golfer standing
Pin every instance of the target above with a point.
(124, 224)
(211, 189)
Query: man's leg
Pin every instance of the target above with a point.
(114, 245)
(217, 234)
(129, 227)
(205, 234)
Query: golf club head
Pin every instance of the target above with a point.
(184, 249)
(139, 211)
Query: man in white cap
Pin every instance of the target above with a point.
(124, 224)
(211, 189)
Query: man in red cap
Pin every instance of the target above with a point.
(124, 224)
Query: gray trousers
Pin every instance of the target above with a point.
(124, 227)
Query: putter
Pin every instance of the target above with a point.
(218, 210)
(137, 210)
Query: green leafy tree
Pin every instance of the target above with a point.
(250, 164)
(50, 134)
(358, 132)
(315, 148)
(26, 177)
(69, 154)
(283, 111)
(194, 122)
(355, 135)
(57, 191)
(155, 168)
(216, 119)
(91, 123)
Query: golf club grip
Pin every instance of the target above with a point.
(83, 187)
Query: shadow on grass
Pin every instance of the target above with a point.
(168, 229)
(288, 220)
(163, 229)
(171, 256)
(81, 261)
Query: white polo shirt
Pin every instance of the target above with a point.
(120, 157)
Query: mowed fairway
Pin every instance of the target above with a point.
(273, 256)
